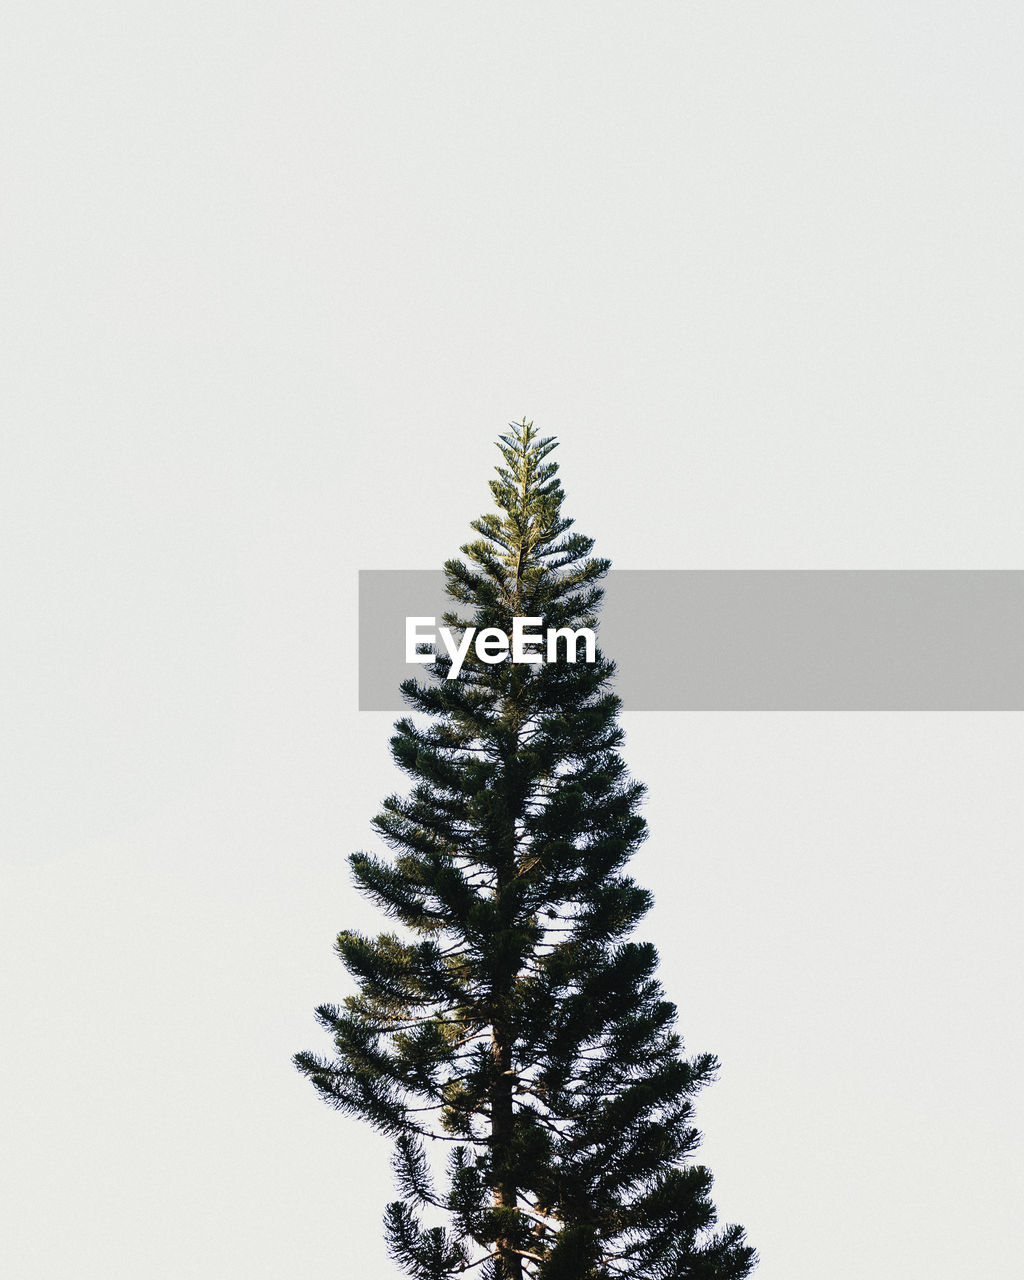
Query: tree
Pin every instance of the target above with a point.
(513, 1020)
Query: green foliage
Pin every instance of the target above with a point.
(514, 1018)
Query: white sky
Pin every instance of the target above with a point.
(275, 276)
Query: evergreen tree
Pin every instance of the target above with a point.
(512, 1019)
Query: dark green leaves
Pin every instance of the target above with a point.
(511, 1017)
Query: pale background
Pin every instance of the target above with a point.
(274, 277)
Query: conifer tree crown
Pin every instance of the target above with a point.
(510, 1017)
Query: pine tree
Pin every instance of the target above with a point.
(512, 1021)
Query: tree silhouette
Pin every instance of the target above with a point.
(511, 1020)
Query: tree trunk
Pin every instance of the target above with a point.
(510, 1264)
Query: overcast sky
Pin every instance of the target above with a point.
(275, 275)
